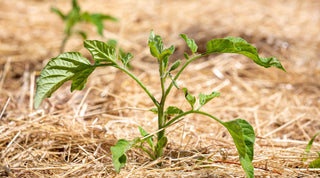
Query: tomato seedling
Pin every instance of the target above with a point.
(75, 16)
(73, 66)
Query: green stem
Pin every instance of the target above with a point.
(161, 119)
(63, 44)
(180, 71)
(191, 112)
(148, 152)
(140, 83)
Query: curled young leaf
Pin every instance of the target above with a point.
(240, 46)
(67, 66)
(101, 51)
(175, 65)
(191, 99)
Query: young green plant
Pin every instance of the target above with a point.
(73, 66)
(75, 16)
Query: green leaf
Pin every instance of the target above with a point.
(203, 99)
(58, 12)
(308, 148)
(240, 46)
(175, 65)
(119, 157)
(161, 144)
(125, 59)
(315, 163)
(144, 134)
(173, 81)
(82, 34)
(172, 110)
(112, 43)
(155, 44)
(190, 42)
(101, 51)
(191, 99)
(186, 56)
(243, 137)
(67, 66)
(97, 19)
(155, 110)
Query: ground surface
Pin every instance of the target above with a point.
(71, 134)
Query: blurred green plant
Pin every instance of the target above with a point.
(75, 16)
(73, 66)
(315, 163)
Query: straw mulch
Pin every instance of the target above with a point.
(71, 134)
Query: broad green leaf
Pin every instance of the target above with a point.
(67, 66)
(172, 110)
(315, 163)
(243, 137)
(240, 46)
(203, 99)
(308, 148)
(191, 99)
(101, 51)
(144, 134)
(175, 65)
(190, 42)
(58, 12)
(97, 20)
(119, 157)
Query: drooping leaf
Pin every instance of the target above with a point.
(308, 148)
(240, 46)
(203, 99)
(58, 12)
(191, 43)
(191, 99)
(101, 51)
(67, 66)
(119, 157)
(243, 137)
(172, 110)
(97, 19)
(144, 134)
(315, 163)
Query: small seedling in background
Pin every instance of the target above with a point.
(75, 16)
(73, 66)
(315, 163)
